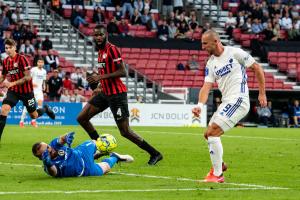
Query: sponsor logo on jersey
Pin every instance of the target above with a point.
(101, 65)
(14, 71)
(225, 69)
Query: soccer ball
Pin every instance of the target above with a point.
(106, 143)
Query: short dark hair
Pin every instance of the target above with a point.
(35, 148)
(10, 42)
(99, 26)
(40, 58)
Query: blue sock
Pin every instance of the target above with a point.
(111, 161)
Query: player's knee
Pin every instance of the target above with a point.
(213, 131)
(34, 115)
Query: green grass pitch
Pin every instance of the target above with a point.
(263, 164)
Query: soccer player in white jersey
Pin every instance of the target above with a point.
(38, 75)
(226, 66)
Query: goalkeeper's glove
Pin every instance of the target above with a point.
(69, 138)
(46, 158)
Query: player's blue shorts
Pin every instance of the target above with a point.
(87, 150)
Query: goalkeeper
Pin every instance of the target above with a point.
(63, 161)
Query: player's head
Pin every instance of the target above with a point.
(40, 62)
(10, 47)
(39, 148)
(211, 41)
(100, 36)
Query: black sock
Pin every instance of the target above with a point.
(40, 111)
(94, 135)
(147, 147)
(2, 124)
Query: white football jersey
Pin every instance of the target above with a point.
(229, 71)
(38, 77)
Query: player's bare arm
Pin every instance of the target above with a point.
(203, 96)
(121, 72)
(2, 78)
(259, 73)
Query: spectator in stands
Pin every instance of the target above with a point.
(240, 20)
(123, 27)
(61, 72)
(145, 17)
(268, 32)
(136, 18)
(76, 97)
(77, 17)
(67, 83)
(127, 6)
(171, 18)
(77, 3)
(193, 64)
(65, 97)
(51, 60)
(294, 33)
(98, 16)
(28, 34)
(112, 27)
(4, 22)
(54, 86)
(244, 6)
(118, 13)
(147, 5)
(97, 4)
(264, 115)
(47, 44)
(193, 24)
(294, 12)
(17, 15)
(286, 22)
(138, 5)
(37, 56)
(151, 24)
(297, 22)
(257, 12)
(230, 24)
(139, 99)
(167, 7)
(257, 27)
(27, 48)
(178, 6)
(181, 31)
(163, 30)
(172, 30)
(276, 32)
(56, 5)
(296, 113)
(76, 78)
(16, 34)
(37, 43)
(181, 19)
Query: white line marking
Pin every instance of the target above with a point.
(133, 190)
(164, 177)
(195, 180)
(231, 136)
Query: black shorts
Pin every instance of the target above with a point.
(117, 103)
(12, 98)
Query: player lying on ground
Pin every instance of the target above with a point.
(63, 161)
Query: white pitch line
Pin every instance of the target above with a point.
(196, 180)
(231, 136)
(164, 177)
(132, 190)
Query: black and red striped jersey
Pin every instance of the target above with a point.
(13, 69)
(108, 60)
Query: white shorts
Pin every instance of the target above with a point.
(39, 95)
(229, 113)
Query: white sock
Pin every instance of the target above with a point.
(216, 154)
(23, 114)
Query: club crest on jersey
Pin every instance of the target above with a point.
(61, 152)
(101, 65)
(104, 56)
(16, 65)
(225, 69)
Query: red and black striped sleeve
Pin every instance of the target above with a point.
(4, 67)
(115, 55)
(24, 64)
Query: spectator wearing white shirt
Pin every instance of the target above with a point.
(76, 78)
(230, 24)
(76, 97)
(27, 48)
(65, 97)
(17, 15)
(286, 22)
(52, 61)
